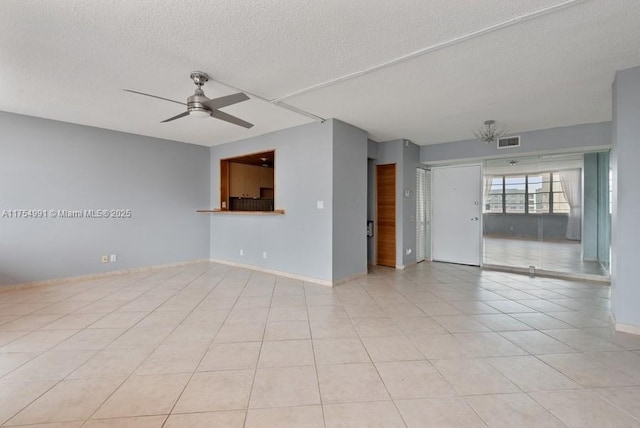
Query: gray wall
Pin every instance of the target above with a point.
(349, 201)
(411, 161)
(371, 209)
(52, 165)
(578, 137)
(372, 149)
(534, 226)
(625, 224)
(300, 241)
(372, 154)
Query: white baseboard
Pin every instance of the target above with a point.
(80, 278)
(403, 267)
(325, 282)
(349, 278)
(627, 328)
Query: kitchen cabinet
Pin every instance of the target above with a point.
(244, 180)
(266, 177)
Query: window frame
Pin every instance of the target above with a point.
(527, 204)
(252, 160)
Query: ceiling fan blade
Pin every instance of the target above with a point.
(154, 96)
(231, 119)
(220, 102)
(186, 113)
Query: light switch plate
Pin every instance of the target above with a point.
(320, 205)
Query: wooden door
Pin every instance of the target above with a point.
(386, 214)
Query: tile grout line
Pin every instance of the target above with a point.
(195, 370)
(313, 352)
(126, 378)
(49, 389)
(393, 401)
(255, 369)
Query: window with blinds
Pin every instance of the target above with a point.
(539, 193)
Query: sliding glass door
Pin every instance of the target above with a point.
(548, 212)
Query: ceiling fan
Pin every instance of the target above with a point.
(198, 105)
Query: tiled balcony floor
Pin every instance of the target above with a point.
(556, 256)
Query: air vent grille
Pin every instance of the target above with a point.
(506, 142)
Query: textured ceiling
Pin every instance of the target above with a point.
(430, 71)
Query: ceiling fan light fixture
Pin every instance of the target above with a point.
(199, 113)
(200, 106)
(490, 132)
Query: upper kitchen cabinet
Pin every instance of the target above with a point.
(266, 177)
(244, 180)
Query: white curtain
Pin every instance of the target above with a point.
(486, 190)
(571, 182)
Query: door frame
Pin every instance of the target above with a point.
(427, 178)
(480, 199)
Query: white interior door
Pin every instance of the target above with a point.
(456, 221)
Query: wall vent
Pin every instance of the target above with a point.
(503, 143)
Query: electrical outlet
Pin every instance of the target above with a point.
(241, 252)
(264, 254)
(105, 259)
(113, 258)
(408, 251)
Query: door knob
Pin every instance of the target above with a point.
(474, 218)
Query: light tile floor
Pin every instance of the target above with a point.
(207, 345)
